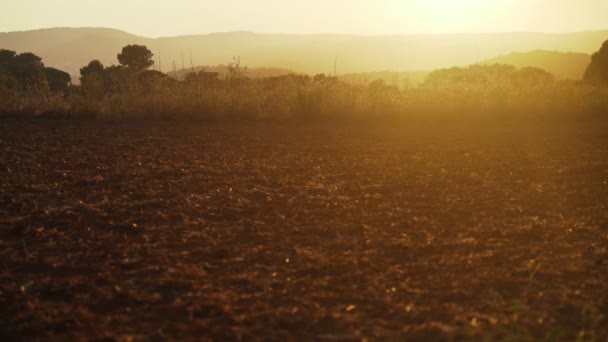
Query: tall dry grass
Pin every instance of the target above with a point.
(302, 97)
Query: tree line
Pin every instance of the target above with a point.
(20, 71)
(26, 84)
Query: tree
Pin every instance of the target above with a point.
(27, 68)
(472, 76)
(57, 80)
(92, 78)
(6, 59)
(136, 57)
(597, 71)
(149, 79)
(93, 68)
(116, 78)
(532, 76)
(151, 76)
(7, 79)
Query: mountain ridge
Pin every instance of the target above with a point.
(71, 48)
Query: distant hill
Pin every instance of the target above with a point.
(564, 65)
(71, 48)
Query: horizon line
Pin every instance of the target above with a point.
(305, 34)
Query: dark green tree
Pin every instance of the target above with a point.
(117, 78)
(57, 80)
(6, 59)
(27, 68)
(93, 68)
(136, 57)
(92, 79)
(149, 79)
(597, 71)
(7, 79)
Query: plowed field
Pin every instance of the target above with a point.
(164, 230)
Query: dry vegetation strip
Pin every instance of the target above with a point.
(315, 232)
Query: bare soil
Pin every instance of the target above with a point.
(276, 231)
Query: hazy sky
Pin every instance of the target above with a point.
(155, 18)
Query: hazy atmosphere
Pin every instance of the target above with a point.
(322, 170)
(369, 17)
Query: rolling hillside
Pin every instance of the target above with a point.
(564, 65)
(71, 48)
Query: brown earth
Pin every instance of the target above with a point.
(303, 232)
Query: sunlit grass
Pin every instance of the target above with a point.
(300, 97)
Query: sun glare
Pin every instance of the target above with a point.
(452, 6)
(448, 16)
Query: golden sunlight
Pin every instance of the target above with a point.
(153, 18)
(319, 170)
(453, 16)
(457, 8)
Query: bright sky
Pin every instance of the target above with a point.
(154, 18)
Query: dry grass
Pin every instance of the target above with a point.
(299, 97)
